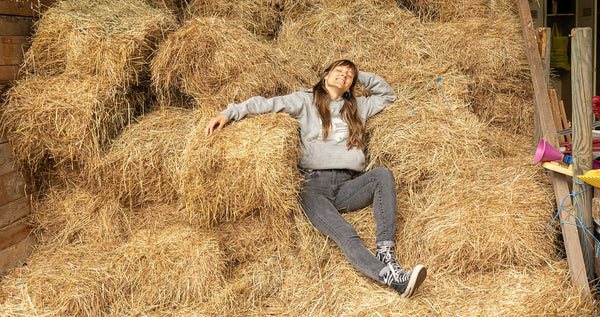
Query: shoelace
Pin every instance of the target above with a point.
(396, 275)
(386, 255)
(396, 272)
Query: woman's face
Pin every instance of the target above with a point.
(340, 78)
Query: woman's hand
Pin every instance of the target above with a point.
(219, 121)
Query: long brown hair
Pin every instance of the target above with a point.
(349, 111)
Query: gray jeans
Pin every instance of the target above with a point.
(329, 193)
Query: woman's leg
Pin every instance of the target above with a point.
(376, 187)
(320, 211)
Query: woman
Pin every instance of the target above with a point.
(333, 140)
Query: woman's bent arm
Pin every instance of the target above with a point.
(382, 94)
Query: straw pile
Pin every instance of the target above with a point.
(208, 59)
(184, 266)
(167, 221)
(64, 120)
(261, 17)
(77, 92)
(482, 73)
(107, 38)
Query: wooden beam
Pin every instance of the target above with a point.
(582, 90)
(13, 233)
(8, 73)
(16, 26)
(14, 210)
(29, 8)
(15, 254)
(12, 187)
(546, 123)
(12, 49)
(7, 161)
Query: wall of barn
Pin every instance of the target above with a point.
(16, 23)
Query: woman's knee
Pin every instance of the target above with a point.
(384, 175)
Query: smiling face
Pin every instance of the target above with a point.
(339, 79)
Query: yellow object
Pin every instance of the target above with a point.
(557, 167)
(591, 177)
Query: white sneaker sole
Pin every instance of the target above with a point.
(418, 275)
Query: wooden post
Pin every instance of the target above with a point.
(559, 182)
(544, 48)
(582, 90)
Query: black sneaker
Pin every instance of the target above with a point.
(405, 283)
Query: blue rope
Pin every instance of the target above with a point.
(443, 94)
(579, 224)
(410, 107)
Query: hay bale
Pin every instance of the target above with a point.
(69, 214)
(109, 38)
(421, 146)
(141, 167)
(153, 272)
(176, 7)
(465, 221)
(257, 250)
(261, 17)
(68, 281)
(217, 62)
(249, 166)
(64, 120)
(443, 11)
(163, 270)
(499, 87)
(328, 31)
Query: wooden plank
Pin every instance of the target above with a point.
(14, 233)
(582, 93)
(542, 32)
(8, 73)
(7, 161)
(563, 117)
(28, 8)
(559, 182)
(14, 211)
(12, 187)
(15, 254)
(556, 113)
(12, 49)
(15, 25)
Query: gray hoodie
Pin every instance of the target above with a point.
(331, 153)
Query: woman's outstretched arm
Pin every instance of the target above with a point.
(293, 104)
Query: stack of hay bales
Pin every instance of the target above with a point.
(208, 59)
(168, 221)
(80, 77)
